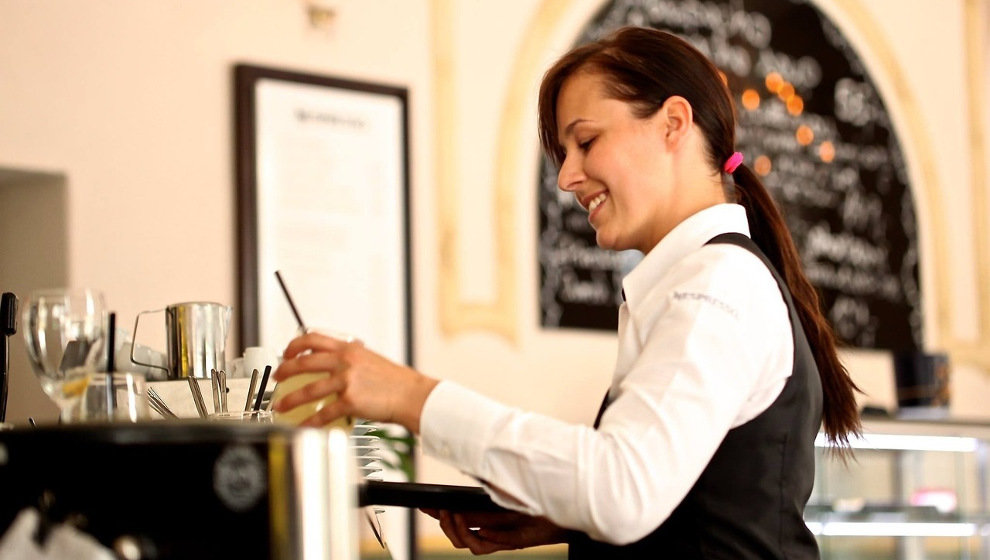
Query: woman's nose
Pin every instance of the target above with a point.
(570, 174)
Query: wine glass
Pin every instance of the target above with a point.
(65, 331)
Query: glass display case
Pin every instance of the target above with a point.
(912, 490)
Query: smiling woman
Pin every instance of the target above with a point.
(726, 367)
(642, 128)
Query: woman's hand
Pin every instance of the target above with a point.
(367, 385)
(484, 533)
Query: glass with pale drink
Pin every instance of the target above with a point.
(300, 413)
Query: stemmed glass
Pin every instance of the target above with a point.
(65, 331)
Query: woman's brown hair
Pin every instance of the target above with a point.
(643, 67)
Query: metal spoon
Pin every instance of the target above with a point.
(251, 390)
(158, 403)
(222, 381)
(215, 381)
(197, 397)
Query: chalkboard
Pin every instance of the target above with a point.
(813, 125)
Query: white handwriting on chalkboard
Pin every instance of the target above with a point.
(854, 102)
(851, 319)
(803, 72)
(693, 15)
(868, 157)
(593, 291)
(852, 282)
(860, 210)
(570, 253)
(724, 54)
(849, 264)
(842, 247)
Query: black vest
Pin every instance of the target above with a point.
(749, 501)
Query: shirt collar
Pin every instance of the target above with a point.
(686, 237)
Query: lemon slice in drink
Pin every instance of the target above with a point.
(76, 387)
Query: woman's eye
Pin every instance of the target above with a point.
(586, 144)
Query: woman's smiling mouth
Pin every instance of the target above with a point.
(595, 202)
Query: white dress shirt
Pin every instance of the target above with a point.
(705, 345)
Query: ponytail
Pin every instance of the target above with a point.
(770, 233)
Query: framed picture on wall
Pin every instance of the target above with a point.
(323, 197)
(322, 173)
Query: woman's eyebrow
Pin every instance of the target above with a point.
(570, 127)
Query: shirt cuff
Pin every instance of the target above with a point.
(457, 424)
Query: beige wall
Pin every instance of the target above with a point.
(131, 103)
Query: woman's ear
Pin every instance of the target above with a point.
(677, 118)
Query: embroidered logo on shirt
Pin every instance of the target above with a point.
(707, 299)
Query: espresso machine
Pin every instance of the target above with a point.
(187, 490)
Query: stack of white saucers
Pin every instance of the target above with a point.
(366, 450)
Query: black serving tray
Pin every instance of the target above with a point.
(426, 496)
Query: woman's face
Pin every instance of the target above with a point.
(617, 165)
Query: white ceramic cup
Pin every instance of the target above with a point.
(257, 358)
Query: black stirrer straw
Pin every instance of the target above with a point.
(292, 305)
(261, 389)
(302, 328)
(111, 395)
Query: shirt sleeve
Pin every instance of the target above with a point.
(695, 368)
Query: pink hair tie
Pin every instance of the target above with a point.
(733, 162)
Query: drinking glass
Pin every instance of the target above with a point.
(257, 416)
(300, 413)
(129, 402)
(65, 331)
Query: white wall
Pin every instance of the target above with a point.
(131, 102)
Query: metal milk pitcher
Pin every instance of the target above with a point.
(196, 335)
